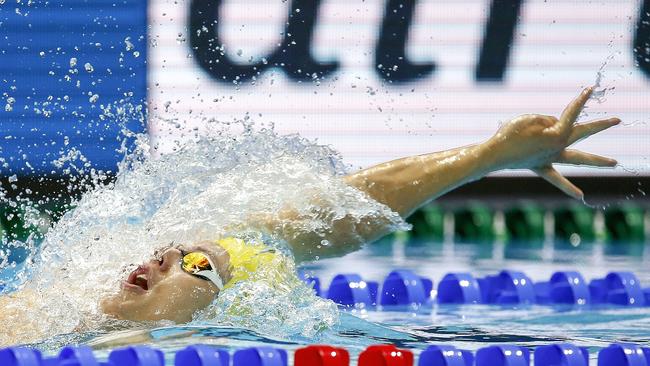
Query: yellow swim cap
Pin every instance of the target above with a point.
(253, 261)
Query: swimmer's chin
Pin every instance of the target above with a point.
(125, 306)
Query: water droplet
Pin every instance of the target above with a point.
(129, 44)
(73, 62)
(88, 67)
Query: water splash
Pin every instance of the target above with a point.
(600, 93)
(209, 186)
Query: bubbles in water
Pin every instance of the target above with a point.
(88, 67)
(73, 62)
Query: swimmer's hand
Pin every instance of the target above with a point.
(536, 142)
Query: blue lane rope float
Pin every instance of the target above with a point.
(504, 355)
(260, 356)
(507, 287)
(563, 354)
(624, 355)
(350, 290)
(74, 356)
(402, 289)
(135, 355)
(621, 288)
(459, 288)
(563, 288)
(199, 355)
(445, 355)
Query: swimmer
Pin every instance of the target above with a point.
(181, 280)
(165, 289)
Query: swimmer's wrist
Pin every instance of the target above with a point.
(491, 156)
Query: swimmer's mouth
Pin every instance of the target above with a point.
(138, 280)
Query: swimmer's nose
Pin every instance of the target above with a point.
(168, 258)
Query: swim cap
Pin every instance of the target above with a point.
(253, 261)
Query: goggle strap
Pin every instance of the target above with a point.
(212, 276)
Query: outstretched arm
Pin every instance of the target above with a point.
(530, 141)
(408, 183)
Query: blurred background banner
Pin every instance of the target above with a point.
(374, 79)
(384, 79)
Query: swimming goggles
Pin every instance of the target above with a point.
(199, 264)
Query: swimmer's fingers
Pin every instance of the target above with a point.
(555, 178)
(572, 111)
(587, 129)
(575, 157)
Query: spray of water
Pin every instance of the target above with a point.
(209, 187)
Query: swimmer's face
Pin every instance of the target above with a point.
(160, 289)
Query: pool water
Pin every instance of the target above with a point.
(469, 326)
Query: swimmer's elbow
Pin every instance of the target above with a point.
(342, 236)
(345, 236)
(309, 251)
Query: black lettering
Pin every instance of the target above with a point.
(498, 39)
(390, 56)
(293, 55)
(641, 45)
